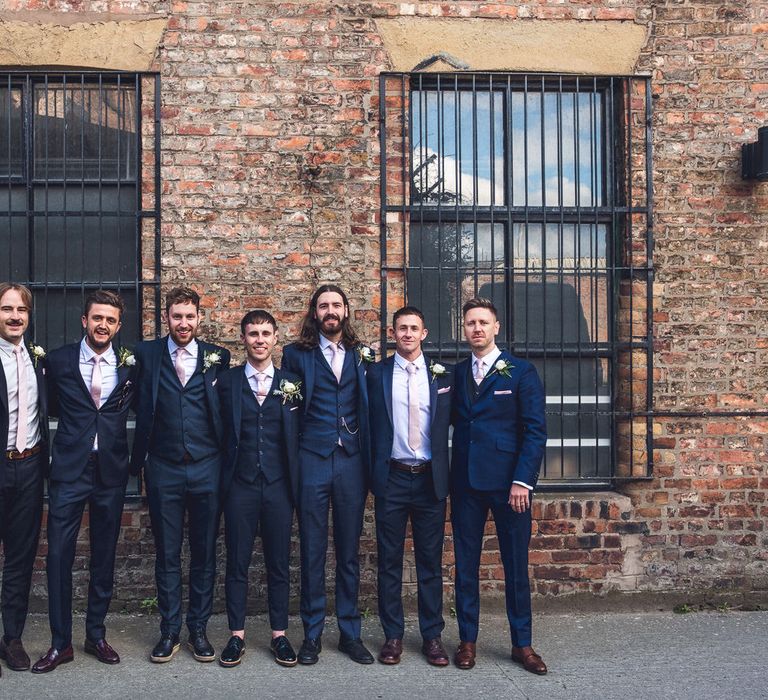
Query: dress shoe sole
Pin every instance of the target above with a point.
(283, 662)
(530, 670)
(364, 662)
(165, 659)
(442, 663)
(95, 653)
(230, 664)
(308, 662)
(52, 668)
(465, 666)
(389, 661)
(202, 659)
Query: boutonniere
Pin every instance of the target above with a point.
(289, 391)
(502, 367)
(125, 358)
(437, 370)
(364, 354)
(37, 352)
(210, 359)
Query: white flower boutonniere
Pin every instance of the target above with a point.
(289, 391)
(37, 352)
(502, 367)
(210, 359)
(125, 358)
(365, 354)
(437, 370)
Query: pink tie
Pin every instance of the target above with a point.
(96, 380)
(180, 371)
(337, 361)
(479, 371)
(414, 432)
(261, 387)
(22, 426)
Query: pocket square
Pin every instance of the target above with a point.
(444, 390)
(502, 391)
(213, 383)
(295, 408)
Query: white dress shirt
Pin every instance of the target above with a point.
(190, 357)
(401, 451)
(11, 379)
(108, 368)
(490, 360)
(251, 372)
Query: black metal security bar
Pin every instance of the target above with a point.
(79, 202)
(533, 190)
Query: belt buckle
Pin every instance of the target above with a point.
(414, 468)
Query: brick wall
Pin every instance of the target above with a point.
(270, 185)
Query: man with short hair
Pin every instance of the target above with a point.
(178, 437)
(333, 465)
(259, 480)
(499, 439)
(24, 437)
(91, 390)
(410, 403)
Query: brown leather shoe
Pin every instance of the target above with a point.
(465, 656)
(52, 659)
(391, 652)
(435, 652)
(14, 654)
(529, 659)
(102, 651)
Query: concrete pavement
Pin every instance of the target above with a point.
(590, 655)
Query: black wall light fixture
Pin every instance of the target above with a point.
(754, 157)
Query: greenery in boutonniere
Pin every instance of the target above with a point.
(364, 354)
(125, 358)
(437, 370)
(210, 359)
(289, 391)
(502, 367)
(37, 352)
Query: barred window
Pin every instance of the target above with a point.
(533, 191)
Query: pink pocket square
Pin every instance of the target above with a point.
(444, 390)
(502, 392)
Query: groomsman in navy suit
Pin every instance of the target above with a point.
(333, 465)
(178, 436)
(499, 440)
(259, 480)
(91, 390)
(410, 402)
(24, 437)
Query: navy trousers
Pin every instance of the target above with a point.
(337, 481)
(469, 511)
(248, 509)
(21, 512)
(66, 503)
(174, 490)
(410, 496)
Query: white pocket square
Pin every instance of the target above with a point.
(213, 383)
(444, 390)
(502, 391)
(295, 408)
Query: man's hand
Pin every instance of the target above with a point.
(519, 498)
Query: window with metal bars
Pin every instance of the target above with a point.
(533, 191)
(79, 196)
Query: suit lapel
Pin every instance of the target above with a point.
(159, 349)
(237, 401)
(432, 396)
(387, 375)
(3, 391)
(74, 364)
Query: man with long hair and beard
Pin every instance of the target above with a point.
(333, 465)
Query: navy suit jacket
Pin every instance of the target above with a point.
(230, 388)
(42, 407)
(382, 430)
(149, 355)
(501, 437)
(302, 362)
(80, 420)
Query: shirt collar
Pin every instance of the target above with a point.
(8, 347)
(402, 362)
(87, 353)
(251, 371)
(191, 348)
(489, 359)
(325, 344)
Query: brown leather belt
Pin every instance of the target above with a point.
(422, 468)
(15, 454)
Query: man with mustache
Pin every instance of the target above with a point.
(499, 438)
(24, 435)
(178, 438)
(91, 389)
(333, 465)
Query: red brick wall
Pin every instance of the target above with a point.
(270, 185)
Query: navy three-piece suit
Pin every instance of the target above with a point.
(259, 486)
(499, 437)
(81, 475)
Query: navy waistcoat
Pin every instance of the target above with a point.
(261, 448)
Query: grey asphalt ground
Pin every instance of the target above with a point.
(700, 655)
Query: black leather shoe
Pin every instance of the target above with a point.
(309, 651)
(165, 649)
(283, 651)
(200, 646)
(232, 654)
(102, 651)
(355, 650)
(14, 654)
